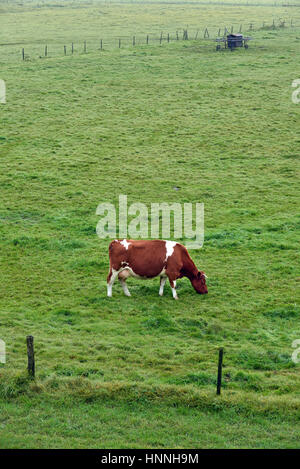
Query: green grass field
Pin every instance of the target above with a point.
(79, 130)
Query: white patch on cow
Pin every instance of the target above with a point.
(169, 248)
(125, 243)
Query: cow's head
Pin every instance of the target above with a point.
(199, 283)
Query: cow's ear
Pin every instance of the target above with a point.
(199, 274)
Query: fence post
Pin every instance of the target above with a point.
(147, 39)
(65, 50)
(220, 364)
(23, 54)
(84, 46)
(160, 39)
(100, 44)
(133, 41)
(30, 355)
(46, 51)
(119, 43)
(72, 47)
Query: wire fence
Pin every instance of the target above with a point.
(147, 39)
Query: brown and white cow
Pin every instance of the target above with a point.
(149, 259)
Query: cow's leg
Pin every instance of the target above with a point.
(123, 276)
(173, 272)
(173, 287)
(162, 284)
(110, 280)
(124, 286)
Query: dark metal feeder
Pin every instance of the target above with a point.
(232, 41)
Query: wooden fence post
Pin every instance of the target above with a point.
(30, 355)
(100, 44)
(147, 39)
(46, 51)
(133, 41)
(220, 364)
(84, 46)
(72, 47)
(23, 54)
(65, 50)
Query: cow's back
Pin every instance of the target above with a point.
(145, 258)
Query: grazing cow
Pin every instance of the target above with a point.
(149, 259)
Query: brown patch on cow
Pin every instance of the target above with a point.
(145, 258)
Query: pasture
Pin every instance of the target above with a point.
(142, 120)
